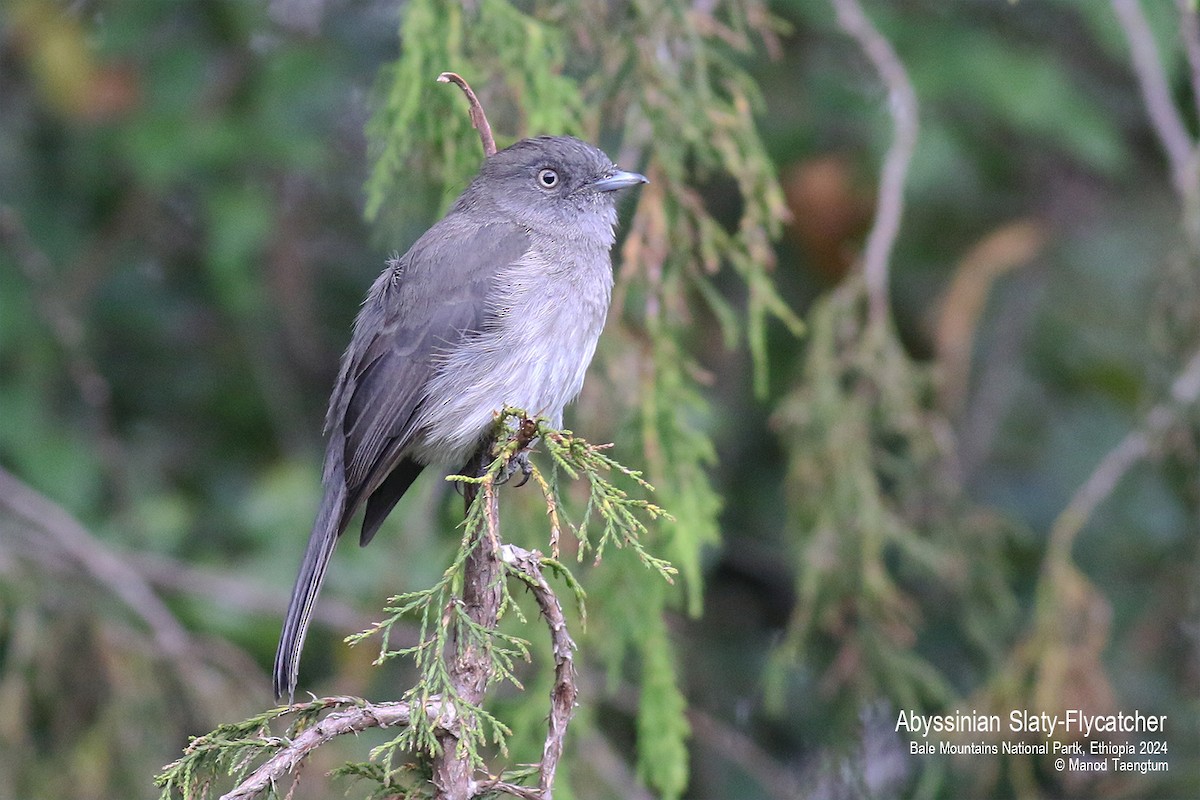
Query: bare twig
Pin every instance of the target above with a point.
(902, 101)
(564, 692)
(1137, 444)
(356, 719)
(478, 117)
(1182, 156)
(1164, 116)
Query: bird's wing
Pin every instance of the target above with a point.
(440, 296)
(425, 303)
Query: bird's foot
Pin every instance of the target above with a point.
(518, 462)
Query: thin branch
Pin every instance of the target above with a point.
(478, 118)
(1137, 444)
(902, 102)
(1160, 107)
(564, 691)
(360, 717)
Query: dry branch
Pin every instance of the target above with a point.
(1184, 160)
(564, 692)
(478, 118)
(1156, 93)
(1137, 444)
(902, 104)
(356, 719)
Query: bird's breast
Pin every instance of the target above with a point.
(545, 315)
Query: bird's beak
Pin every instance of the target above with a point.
(619, 179)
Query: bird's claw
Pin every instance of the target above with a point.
(518, 462)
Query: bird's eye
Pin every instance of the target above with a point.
(547, 178)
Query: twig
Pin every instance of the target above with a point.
(1185, 391)
(902, 101)
(478, 118)
(492, 515)
(565, 691)
(1182, 157)
(551, 512)
(352, 720)
(1160, 107)
(514, 789)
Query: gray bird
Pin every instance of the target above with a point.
(499, 303)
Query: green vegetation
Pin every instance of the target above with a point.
(984, 500)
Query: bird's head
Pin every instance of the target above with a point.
(556, 184)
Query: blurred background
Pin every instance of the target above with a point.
(984, 499)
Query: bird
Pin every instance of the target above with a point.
(500, 303)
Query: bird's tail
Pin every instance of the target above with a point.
(324, 536)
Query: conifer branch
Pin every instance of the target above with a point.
(358, 718)
(471, 663)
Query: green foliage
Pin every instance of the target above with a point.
(234, 749)
(617, 510)
(662, 728)
(182, 249)
(1032, 92)
(228, 750)
(698, 108)
(383, 781)
(879, 520)
(416, 119)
